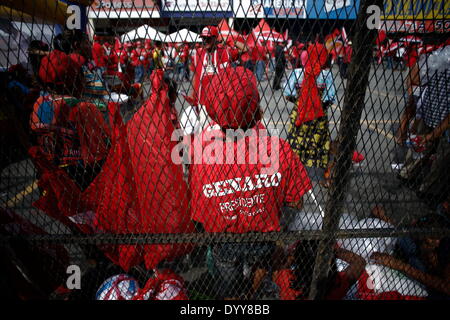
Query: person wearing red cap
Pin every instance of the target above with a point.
(184, 59)
(209, 60)
(260, 58)
(148, 58)
(244, 194)
(137, 58)
(99, 55)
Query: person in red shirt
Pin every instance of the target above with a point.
(184, 59)
(137, 60)
(260, 57)
(124, 55)
(99, 56)
(346, 58)
(148, 61)
(247, 59)
(242, 194)
(112, 66)
(211, 58)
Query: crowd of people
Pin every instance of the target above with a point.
(98, 174)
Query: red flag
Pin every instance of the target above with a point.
(309, 103)
(160, 188)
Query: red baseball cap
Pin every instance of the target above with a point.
(210, 31)
(58, 67)
(232, 98)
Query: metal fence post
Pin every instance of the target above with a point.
(358, 80)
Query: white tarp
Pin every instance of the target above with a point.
(183, 35)
(15, 37)
(143, 32)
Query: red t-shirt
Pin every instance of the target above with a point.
(184, 54)
(348, 54)
(123, 56)
(239, 198)
(284, 279)
(218, 60)
(98, 54)
(258, 53)
(113, 61)
(136, 59)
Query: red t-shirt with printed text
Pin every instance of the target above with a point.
(243, 195)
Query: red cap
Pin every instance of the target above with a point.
(210, 31)
(232, 98)
(58, 67)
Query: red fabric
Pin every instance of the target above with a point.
(246, 56)
(162, 193)
(75, 132)
(164, 285)
(219, 59)
(92, 131)
(233, 98)
(233, 52)
(62, 197)
(309, 103)
(348, 51)
(99, 55)
(284, 279)
(112, 63)
(135, 57)
(184, 53)
(258, 53)
(117, 44)
(139, 189)
(123, 56)
(146, 53)
(244, 197)
(357, 157)
(411, 56)
(59, 67)
(381, 37)
(210, 31)
(340, 287)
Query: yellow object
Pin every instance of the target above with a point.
(48, 11)
(416, 10)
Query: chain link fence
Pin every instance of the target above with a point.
(183, 150)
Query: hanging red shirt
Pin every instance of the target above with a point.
(99, 55)
(244, 197)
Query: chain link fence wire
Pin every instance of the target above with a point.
(184, 150)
